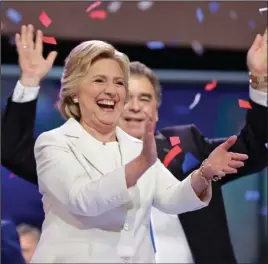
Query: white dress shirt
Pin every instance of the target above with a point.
(170, 240)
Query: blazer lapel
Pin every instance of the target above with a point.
(130, 147)
(94, 150)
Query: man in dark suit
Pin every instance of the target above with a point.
(10, 244)
(204, 234)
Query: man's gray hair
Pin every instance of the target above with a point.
(24, 229)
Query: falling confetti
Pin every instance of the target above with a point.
(197, 47)
(211, 86)
(155, 45)
(174, 141)
(93, 6)
(252, 195)
(14, 15)
(196, 101)
(233, 14)
(199, 15)
(182, 110)
(11, 176)
(49, 40)
(266, 145)
(264, 211)
(98, 14)
(113, 7)
(244, 104)
(263, 9)
(171, 155)
(45, 19)
(189, 163)
(252, 24)
(213, 7)
(144, 5)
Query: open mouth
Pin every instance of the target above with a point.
(106, 104)
(138, 120)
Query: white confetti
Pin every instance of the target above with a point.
(113, 7)
(263, 9)
(144, 5)
(196, 101)
(233, 14)
(197, 47)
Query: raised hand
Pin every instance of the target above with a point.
(33, 65)
(222, 162)
(257, 56)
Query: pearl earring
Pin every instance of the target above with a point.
(76, 100)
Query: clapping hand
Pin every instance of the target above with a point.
(222, 162)
(149, 151)
(33, 65)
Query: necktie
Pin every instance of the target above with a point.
(152, 236)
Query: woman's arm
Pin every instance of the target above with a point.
(61, 176)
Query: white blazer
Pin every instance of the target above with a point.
(90, 214)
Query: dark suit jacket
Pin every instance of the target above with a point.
(10, 245)
(206, 229)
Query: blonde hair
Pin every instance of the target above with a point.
(77, 65)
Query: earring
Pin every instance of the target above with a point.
(75, 100)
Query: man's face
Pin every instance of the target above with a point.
(28, 244)
(142, 100)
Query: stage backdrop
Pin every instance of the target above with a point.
(217, 114)
(216, 24)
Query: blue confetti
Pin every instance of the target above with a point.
(199, 15)
(14, 15)
(155, 45)
(182, 110)
(264, 211)
(251, 24)
(213, 7)
(189, 162)
(252, 195)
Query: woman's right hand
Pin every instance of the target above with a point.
(149, 151)
(34, 66)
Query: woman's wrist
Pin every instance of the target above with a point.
(199, 181)
(29, 81)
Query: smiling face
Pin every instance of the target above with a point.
(102, 94)
(142, 100)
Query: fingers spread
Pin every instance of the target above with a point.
(39, 41)
(229, 142)
(51, 58)
(229, 170)
(30, 37)
(235, 164)
(23, 35)
(238, 156)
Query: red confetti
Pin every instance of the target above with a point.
(174, 141)
(210, 86)
(50, 40)
(171, 155)
(98, 14)
(93, 5)
(244, 104)
(45, 19)
(11, 176)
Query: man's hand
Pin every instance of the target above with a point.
(257, 56)
(33, 65)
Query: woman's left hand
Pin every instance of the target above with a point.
(222, 162)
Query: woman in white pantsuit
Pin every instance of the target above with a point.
(98, 183)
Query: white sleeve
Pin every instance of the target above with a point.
(175, 197)
(61, 176)
(23, 94)
(258, 97)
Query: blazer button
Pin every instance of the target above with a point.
(127, 227)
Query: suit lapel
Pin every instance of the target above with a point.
(94, 150)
